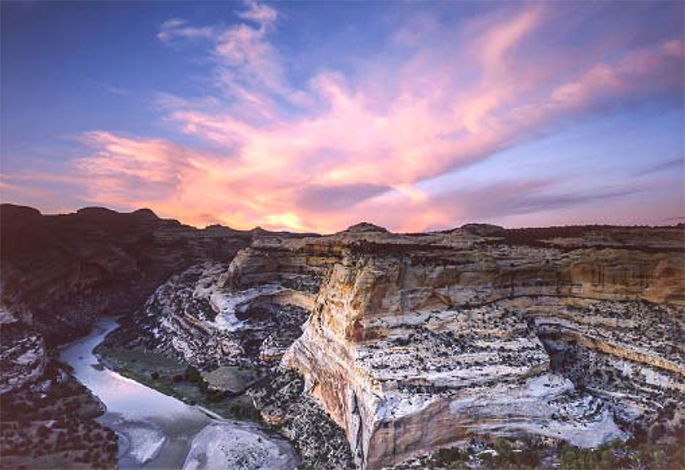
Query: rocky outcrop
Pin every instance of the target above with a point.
(365, 227)
(47, 418)
(196, 318)
(284, 404)
(22, 359)
(413, 344)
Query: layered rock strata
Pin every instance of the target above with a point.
(194, 317)
(415, 342)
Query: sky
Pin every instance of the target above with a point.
(313, 116)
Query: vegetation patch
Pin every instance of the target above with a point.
(506, 454)
(178, 380)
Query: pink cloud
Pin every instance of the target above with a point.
(362, 148)
(653, 68)
(175, 29)
(263, 15)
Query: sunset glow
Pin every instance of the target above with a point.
(314, 116)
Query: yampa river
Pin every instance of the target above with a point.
(157, 431)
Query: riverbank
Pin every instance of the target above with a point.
(159, 431)
(176, 379)
(51, 424)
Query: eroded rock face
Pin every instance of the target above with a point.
(416, 341)
(197, 318)
(283, 403)
(22, 357)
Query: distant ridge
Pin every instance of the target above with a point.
(18, 211)
(364, 227)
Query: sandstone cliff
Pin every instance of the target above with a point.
(416, 341)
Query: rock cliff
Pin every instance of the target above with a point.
(416, 341)
(409, 342)
(67, 269)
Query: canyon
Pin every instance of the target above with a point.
(365, 348)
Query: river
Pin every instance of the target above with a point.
(157, 431)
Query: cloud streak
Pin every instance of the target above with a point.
(337, 147)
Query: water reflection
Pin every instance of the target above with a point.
(158, 432)
(118, 393)
(152, 426)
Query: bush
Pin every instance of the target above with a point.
(446, 456)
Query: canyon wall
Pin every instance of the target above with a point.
(58, 274)
(62, 271)
(410, 342)
(416, 342)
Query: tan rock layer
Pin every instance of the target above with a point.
(379, 292)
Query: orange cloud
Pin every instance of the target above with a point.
(360, 152)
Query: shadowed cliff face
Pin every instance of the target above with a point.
(58, 274)
(65, 270)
